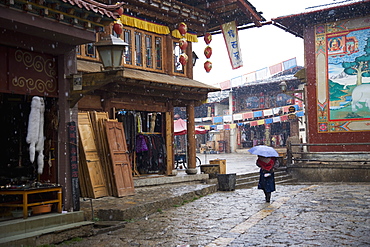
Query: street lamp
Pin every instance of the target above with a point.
(194, 58)
(282, 86)
(111, 51)
(284, 89)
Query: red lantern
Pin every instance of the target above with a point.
(183, 29)
(208, 52)
(183, 44)
(183, 59)
(117, 27)
(120, 11)
(208, 66)
(208, 38)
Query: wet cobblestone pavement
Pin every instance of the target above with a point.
(324, 214)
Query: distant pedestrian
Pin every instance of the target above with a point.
(267, 178)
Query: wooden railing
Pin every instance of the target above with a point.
(335, 157)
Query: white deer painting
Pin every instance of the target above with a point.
(361, 94)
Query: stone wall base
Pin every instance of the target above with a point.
(329, 172)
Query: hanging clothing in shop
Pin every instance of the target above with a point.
(139, 123)
(141, 144)
(281, 140)
(152, 158)
(35, 132)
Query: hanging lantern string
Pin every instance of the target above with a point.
(208, 52)
(183, 43)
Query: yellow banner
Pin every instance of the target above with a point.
(261, 122)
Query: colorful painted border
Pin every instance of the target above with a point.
(331, 35)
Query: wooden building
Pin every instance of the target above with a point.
(256, 113)
(48, 55)
(37, 56)
(336, 45)
(154, 80)
(263, 111)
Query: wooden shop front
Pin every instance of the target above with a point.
(37, 54)
(143, 101)
(156, 76)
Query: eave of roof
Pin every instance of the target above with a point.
(81, 14)
(296, 23)
(200, 16)
(157, 78)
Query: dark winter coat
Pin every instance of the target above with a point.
(267, 178)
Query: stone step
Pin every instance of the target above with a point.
(251, 179)
(43, 229)
(255, 175)
(247, 179)
(158, 180)
(49, 235)
(251, 184)
(151, 205)
(38, 222)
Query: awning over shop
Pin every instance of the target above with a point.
(139, 82)
(84, 66)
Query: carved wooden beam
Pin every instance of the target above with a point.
(156, 92)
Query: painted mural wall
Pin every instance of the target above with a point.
(343, 76)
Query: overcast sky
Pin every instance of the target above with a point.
(261, 47)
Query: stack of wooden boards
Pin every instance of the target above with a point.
(104, 162)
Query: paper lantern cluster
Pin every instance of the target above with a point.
(183, 43)
(208, 52)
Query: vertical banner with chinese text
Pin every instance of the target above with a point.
(72, 136)
(230, 33)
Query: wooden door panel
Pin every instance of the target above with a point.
(93, 164)
(120, 158)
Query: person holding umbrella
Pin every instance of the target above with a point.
(267, 161)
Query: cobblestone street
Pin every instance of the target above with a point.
(328, 214)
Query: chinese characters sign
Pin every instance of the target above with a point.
(72, 136)
(230, 33)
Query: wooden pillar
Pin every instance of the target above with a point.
(169, 142)
(189, 65)
(191, 149)
(66, 114)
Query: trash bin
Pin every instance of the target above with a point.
(226, 182)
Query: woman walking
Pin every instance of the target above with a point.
(267, 161)
(267, 178)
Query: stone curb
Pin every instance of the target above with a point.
(140, 211)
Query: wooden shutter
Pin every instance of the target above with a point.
(122, 170)
(95, 183)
